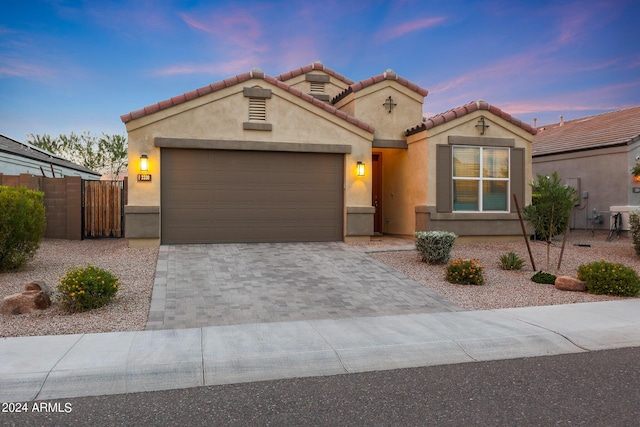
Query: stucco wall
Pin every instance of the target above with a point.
(220, 116)
(409, 180)
(605, 174)
(367, 105)
(333, 88)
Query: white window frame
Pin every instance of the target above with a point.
(481, 179)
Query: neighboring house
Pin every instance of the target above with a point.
(312, 156)
(595, 155)
(21, 158)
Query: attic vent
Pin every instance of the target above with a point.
(317, 87)
(258, 109)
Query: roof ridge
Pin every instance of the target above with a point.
(316, 65)
(256, 73)
(388, 74)
(454, 113)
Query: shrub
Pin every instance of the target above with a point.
(604, 277)
(634, 227)
(544, 278)
(465, 272)
(83, 289)
(511, 261)
(435, 246)
(22, 225)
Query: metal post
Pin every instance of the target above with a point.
(524, 232)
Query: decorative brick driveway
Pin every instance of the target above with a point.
(226, 284)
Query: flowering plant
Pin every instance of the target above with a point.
(604, 277)
(83, 289)
(465, 272)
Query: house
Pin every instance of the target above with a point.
(311, 155)
(595, 155)
(21, 158)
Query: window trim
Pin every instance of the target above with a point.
(481, 179)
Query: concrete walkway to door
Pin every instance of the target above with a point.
(231, 284)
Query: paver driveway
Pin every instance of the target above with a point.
(226, 284)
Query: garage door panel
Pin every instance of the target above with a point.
(234, 196)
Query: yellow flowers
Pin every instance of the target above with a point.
(465, 272)
(83, 289)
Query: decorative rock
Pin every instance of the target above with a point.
(567, 283)
(36, 297)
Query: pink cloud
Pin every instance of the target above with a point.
(409, 27)
(226, 68)
(18, 68)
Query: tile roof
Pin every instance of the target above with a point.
(240, 78)
(463, 111)
(29, 151)
(387, 75)
(620, 127)
(317, 65)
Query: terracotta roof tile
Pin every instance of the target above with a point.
(620, 127)
(457, 112)
(240, 78)
(387, 75)
(314, 66)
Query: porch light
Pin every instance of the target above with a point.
(144, 163)
(360, 169)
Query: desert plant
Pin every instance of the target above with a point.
(634, 228)
(22, 225)
(83, 289)
(511, 261)
(465, 272)
(434, 246)
(549, 212)
(544, 278)
(604, 277)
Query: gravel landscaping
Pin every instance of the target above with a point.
(506, 289)
(133, 266)
(136, 269)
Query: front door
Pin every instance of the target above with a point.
(376, 191)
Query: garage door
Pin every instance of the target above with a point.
(222, 196)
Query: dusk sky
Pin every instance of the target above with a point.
(78, 65)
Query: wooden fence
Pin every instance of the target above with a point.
(102, 206)
(77, 208)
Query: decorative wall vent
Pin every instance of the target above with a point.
(258, 109)
(317, 87)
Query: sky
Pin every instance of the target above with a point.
(79, 65)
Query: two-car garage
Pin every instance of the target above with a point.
(222, 196)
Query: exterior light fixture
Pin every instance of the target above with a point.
(144, 163)
(360, 169)
(144, 169)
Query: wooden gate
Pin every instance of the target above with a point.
(102, 208)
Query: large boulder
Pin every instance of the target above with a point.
(567, 283)
(37, 296)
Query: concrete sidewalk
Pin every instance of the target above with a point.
(51, 367)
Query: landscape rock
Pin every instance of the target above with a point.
(567, 283)
(37, 296)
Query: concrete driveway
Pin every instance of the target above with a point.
(230, 284)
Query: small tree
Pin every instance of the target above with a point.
(552, 204)
(107, 154)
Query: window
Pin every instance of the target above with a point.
(480, 179)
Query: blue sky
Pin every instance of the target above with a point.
(78, 65)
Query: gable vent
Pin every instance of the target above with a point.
(258, 109)
(317, 87)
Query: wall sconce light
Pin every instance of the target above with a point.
(360, 169)
(144, 168)
(636, 178)
(144, 163)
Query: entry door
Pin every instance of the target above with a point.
(376, 193)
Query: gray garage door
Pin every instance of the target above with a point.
(222, 196)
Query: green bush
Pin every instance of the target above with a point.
(435, 246)
(22, 225)
(511, 261)
(544, 278)
(465, 272)
(83, 289)
(604, 277)
(634, 227)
